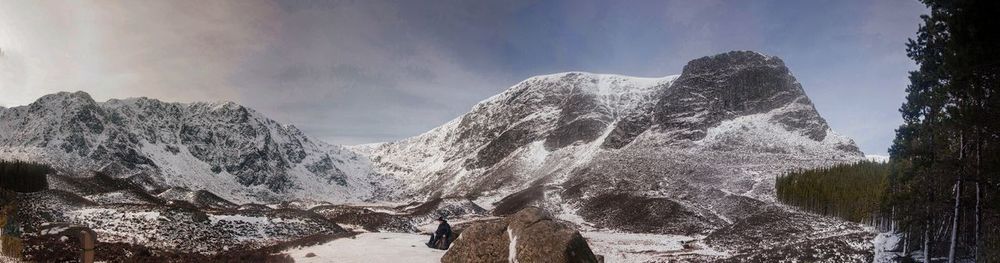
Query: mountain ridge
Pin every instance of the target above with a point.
(162, 145)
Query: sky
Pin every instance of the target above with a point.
(352, 72)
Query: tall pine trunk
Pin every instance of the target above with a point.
(979, 181)
(927, 240)
(958, 199)
(906, 243)
(954, 222)
(975, 245)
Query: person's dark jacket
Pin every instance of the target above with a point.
(444, 229)
(443, 235)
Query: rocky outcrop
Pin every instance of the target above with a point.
(646, 215)
(530, 235)
(738, 83)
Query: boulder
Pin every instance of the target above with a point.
(530, 235)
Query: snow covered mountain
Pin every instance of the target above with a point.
(690, 154)
(227, 149)
(547, 128)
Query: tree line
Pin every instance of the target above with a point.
(941, 193)
(850, 191)
(944, 183)
(24, 177)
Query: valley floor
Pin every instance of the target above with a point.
(614, 246)
(398, 247)
(634, 247)
(371, 247)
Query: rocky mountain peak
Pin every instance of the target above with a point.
(729, 85)
(65, 102)
(714, 63)
(76, 96)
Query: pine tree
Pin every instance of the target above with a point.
(850, 191)
(19, 176)
(950, 133)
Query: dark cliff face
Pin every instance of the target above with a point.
(583, 119)
(729, 85)
(723, 87)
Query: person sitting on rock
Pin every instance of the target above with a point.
(441, 238)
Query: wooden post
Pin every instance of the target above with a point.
(88, 240)
(87, 236)
(10, 238)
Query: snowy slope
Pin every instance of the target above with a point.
(518, 122)
(224, 148)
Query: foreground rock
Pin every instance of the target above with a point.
(527, 236)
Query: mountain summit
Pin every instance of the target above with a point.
(739, 83)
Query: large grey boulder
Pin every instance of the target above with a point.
(530, 235)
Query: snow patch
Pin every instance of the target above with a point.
(371, 247)
(512, 247)
(877, 158)
(886, 245)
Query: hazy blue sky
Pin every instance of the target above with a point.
(367, 71)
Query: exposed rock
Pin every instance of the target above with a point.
(738, 83)
(626, 130)
(646, 215)
(583, 118)
(530, 235)
(499, 148)
(518, 201)
(366, 218)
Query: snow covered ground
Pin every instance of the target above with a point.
(632, 247)
(371, 247)
(877, 158)
(405, 247)
(885, 244)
